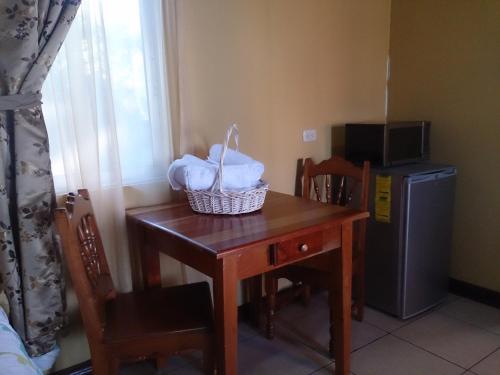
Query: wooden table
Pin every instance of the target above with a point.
(232, 248)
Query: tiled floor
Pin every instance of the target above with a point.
(458, 337)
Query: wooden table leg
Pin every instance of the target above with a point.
(150, 263)
(342, 303)
(256, 298)
(226, 316)
(135, 244)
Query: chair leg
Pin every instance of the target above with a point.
(331, 344)
(358, 290)
(271, 290)
(255, 285)
(113, 366)
(358, 310)
(99, 366)
(161, 362)
(306, 294)
(105, 366)
(209, 361)
(102, 362)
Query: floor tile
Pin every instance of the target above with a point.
(390, 323)
(483, 316)
(297, 309)
(451, 331)
(279, 356)
(258, 355)
(457, 341)
(313, 329)
(488, 366)
(246, 331)
(452, 298)
(328, 370)
(382, 320)
(392, 356)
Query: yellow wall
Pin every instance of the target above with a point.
(445, 67)
(277, 67)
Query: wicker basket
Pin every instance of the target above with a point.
(218, 201)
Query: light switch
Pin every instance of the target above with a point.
(309, 135)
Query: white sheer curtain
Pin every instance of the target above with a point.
(107, 111)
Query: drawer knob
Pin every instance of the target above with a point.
(303, 248)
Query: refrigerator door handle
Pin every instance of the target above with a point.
(433, 176)
(447, 173)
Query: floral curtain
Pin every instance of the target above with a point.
(31, 33)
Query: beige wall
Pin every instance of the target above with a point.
(277, 68)
(445, 67)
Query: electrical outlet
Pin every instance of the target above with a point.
(309, 135)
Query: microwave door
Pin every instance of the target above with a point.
(404, 144)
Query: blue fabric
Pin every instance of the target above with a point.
(13, 356)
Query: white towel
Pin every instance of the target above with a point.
(241, 177)
(232, 156)
(240, 171)
(192, 173)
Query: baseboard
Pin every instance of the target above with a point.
(475, 293)
(84, 368)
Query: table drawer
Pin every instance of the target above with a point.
(296, 248)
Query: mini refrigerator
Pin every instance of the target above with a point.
(408, 238)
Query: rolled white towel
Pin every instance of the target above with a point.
(240, 172)
(242, 176)
(192, 173)
(231, 157)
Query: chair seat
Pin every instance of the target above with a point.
(159, 311)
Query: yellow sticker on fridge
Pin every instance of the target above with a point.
(383, 199)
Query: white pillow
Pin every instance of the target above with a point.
(13, 356)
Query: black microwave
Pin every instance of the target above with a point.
(388, 144)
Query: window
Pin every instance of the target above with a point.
(106, 99)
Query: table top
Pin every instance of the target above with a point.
(281, 216)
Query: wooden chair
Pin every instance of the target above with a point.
(155, 323)
(342, 183)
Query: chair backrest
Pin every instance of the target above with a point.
(86, 260)
(337, 181)
(334, 180)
